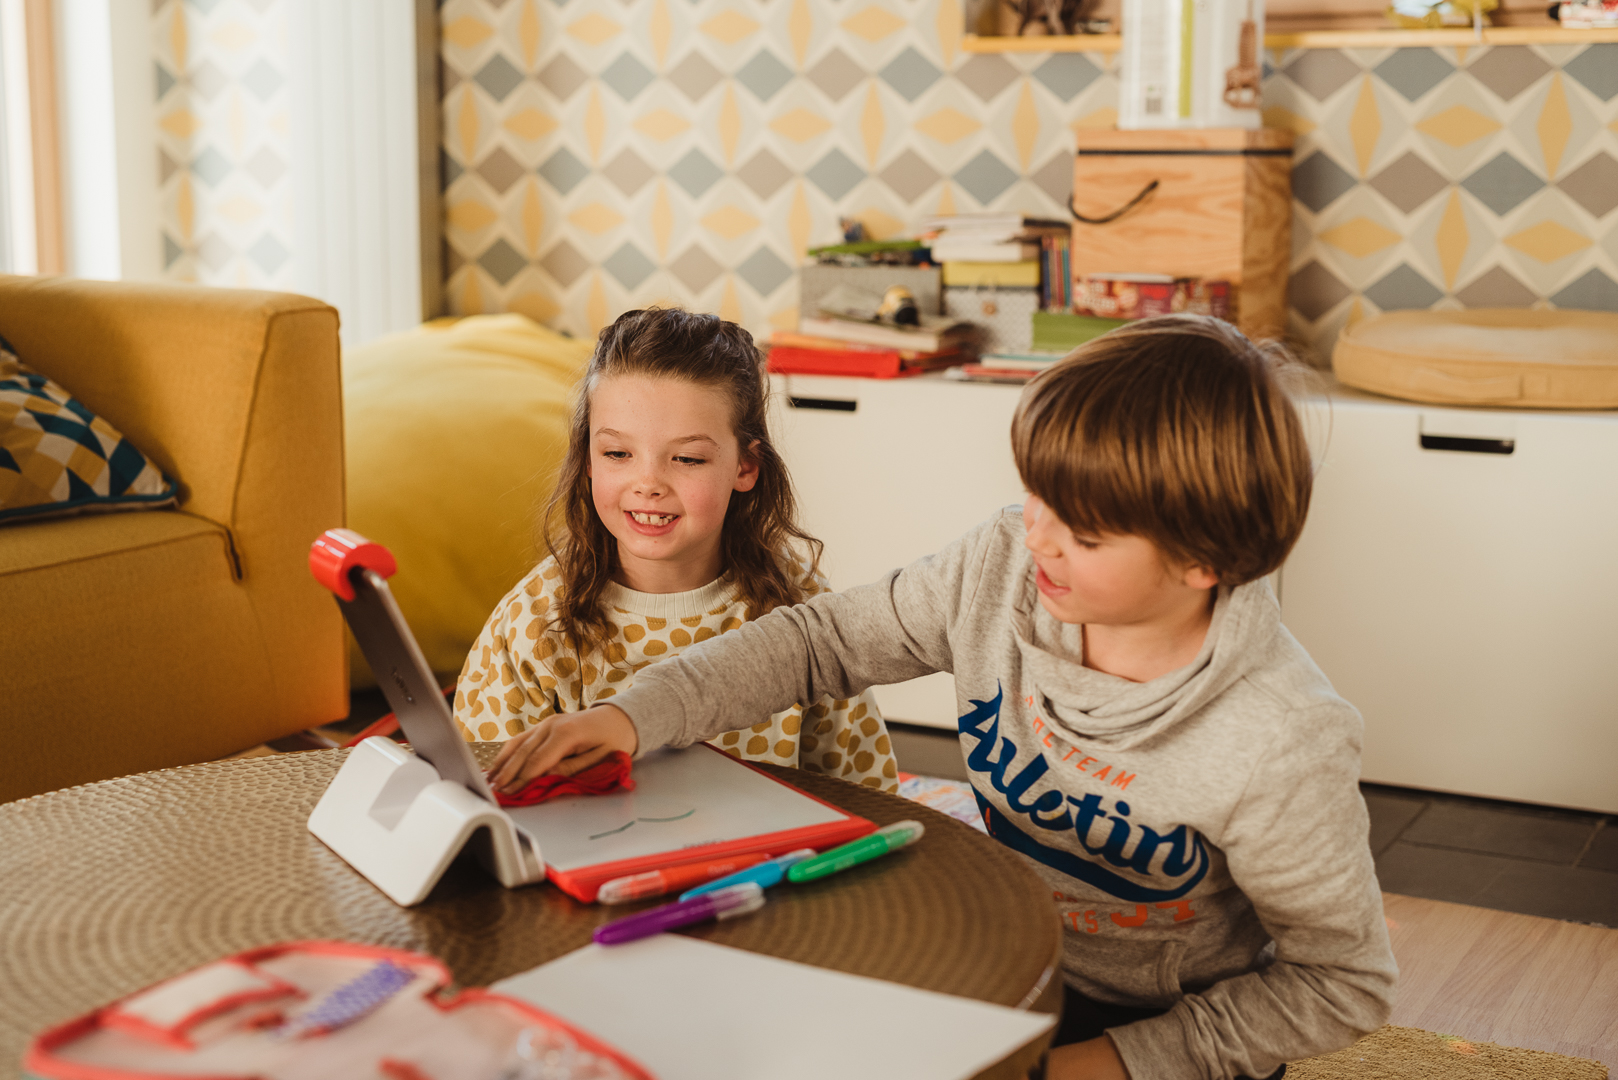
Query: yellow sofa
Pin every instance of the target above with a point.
(142, 639)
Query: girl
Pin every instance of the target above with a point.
(672, 522)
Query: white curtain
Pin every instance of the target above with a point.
(356, 208)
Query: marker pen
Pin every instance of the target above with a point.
(764, 874)
(672, 879)
(877, 844)
(724, 904)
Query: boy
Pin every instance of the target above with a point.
(1136, 721)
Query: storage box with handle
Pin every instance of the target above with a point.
(1214, 203)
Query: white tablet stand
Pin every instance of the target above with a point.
(400, 816)
(390, 816)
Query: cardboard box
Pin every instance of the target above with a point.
(1214, 204)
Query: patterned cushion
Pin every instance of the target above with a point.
(57, 457)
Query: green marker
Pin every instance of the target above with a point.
(888, 838)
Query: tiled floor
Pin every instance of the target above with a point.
(1560, 864)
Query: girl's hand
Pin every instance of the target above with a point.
(564, 744)
(1094, 1059)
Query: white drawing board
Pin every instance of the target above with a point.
(682, 799)
(684, 1009)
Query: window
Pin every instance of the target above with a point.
(17, 245)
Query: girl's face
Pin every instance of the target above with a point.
(663, 462)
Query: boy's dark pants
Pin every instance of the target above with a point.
(1084, 1019)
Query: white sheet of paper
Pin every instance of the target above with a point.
(682, 798)
(692, 1010)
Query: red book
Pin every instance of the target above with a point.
(862, 362)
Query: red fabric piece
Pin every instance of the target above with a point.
(611, 773)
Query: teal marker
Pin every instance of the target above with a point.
(763, 874)
(888, 838)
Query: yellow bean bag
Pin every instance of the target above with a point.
(454, 433)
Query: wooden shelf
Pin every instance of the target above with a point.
(1492, 35)
(1317, 39)
(1077, 43)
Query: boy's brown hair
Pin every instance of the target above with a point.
(1177, 429)
(761, 525)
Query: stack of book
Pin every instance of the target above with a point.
(1006, 367)
(996, 238)
(1055, 334)
(992, 275)
(1056, 272)
(828, 343)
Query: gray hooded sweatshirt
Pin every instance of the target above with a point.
(1203, 833)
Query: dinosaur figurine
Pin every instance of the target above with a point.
(1042, 17)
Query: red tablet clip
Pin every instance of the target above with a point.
(339, 552)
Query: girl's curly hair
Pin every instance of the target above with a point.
(761, 526)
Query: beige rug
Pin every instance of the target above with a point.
(1401, 1053)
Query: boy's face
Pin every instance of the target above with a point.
(663, 463)
(1112, 579)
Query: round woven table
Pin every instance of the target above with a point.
(110, 887)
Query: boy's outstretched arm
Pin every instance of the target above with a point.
(834, 644)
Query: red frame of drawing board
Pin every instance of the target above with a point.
(582, 883)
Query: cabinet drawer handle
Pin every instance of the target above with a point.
(1467, 445)
(826, 403)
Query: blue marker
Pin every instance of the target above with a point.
(764, 874)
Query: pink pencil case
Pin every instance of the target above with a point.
(312, 1010)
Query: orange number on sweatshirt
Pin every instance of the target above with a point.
(1182, 909)
(1137, 919)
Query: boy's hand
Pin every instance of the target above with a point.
(1094, 1059)
(564, 744)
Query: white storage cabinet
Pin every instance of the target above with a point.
(1458, 582)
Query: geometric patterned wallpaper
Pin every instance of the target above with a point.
(607, 155)
(1449, 178)
(223, 141)
(600, 155)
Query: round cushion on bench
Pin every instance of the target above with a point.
(1487, 356)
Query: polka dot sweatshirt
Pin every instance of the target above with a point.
(521, 670)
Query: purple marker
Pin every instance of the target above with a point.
(719, 904)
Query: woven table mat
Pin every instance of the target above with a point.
(112, 886)
(1401, 1053)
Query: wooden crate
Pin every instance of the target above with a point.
(1222, 209)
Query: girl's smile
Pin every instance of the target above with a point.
(651, 524)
